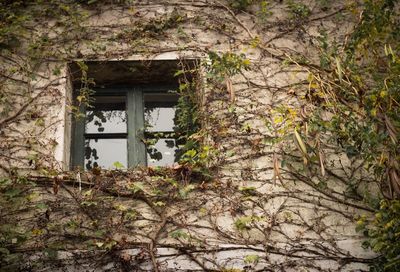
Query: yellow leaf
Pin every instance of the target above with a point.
(246, 62)
(278, 119)
(37, 232)
(99, 244)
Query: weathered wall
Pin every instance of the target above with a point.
(257, 213)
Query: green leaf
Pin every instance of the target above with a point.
(179, 72)
(183, 192)
(118, 165)
(4, 251)
(13, 192)
(243, 222)
(100, 233)
(42, 206)
(51, 253)
(251, 259)
(110, 245)
(248, 190)
(136, 187)
(179, 234)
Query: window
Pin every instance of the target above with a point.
(132, 115)
(129, 126)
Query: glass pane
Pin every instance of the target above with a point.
(105, 152)
(107, 116)
(159, 113)
(162, 153)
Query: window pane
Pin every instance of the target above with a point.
(162, 153)
(159, 112)
(107, 116)
(105, 152)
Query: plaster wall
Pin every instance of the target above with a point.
(289, 224)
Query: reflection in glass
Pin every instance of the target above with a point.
(159, 119)
(108, 115)
(159, 111)
(104, 152)
(162, 153)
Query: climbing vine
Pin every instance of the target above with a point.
(288, 130)
(356, 102)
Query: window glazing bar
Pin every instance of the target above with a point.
(136, 148)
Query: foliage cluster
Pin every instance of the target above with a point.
(190, 114)
(240, 5)
(357, 100)
(153, 28)
(188, 122)
(384, 235)
(359, 90)
(298, 11)
(225, 65)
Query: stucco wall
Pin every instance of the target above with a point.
(288, 223)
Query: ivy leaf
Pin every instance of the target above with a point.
(179, 72)
(136, 187)
(183, 192)
(159, 203)
(51, 253)
(4, 251)
(11, 193)
(251, 259)
(118, 165)
(248, 190)
(243, 222)
(99, 244)
(179, 234)
(41, 206)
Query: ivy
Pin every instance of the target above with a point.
(298, 11)
(240, 5)
(226, 65)
(352, 108)
(360, 92)
(383, 234)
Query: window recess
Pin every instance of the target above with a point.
(131, 119)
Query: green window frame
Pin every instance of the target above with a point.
(136, 132)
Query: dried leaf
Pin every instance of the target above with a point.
(394, 180)
(339, 69)
(277, 172)
(321, 162)
(306, 129)
(300, 144)
(56, 185)
(231, 91)
(391, 129)
(303, 113)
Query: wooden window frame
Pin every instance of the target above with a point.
(137, 154)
